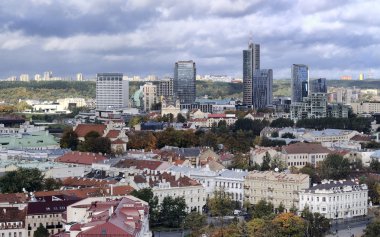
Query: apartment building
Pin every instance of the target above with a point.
(299, 154)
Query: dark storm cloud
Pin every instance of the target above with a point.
(148, 36)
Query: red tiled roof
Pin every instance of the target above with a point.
(83, 158)
(12, 214)
(13, 198)
(216, 115)
(50, 204)
(139, 164)
(113, 133)
(82, 129)
(89, 192)
(85, 182)
(106, 229)
(361, 138)
(118, 141)
(308, 148)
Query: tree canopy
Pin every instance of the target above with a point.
(334, 167)
(14, 181)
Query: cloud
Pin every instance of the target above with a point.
(333, 37)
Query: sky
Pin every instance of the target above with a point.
(142, 37)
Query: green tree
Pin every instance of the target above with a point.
(14, 181)
(375, 165)
(263, 209)
(372, 229)
(335, 167)
(274, 134)
(52, 184)
(194, 221)
(41, 231)
(288, 135)
(93, 142)
(256, 227)
(266, 162)
(146, 194)
(181, 118)
(280, 208)
(172, 211)
(310, 170)
(69, 139)
(316, 224)
(220, 204)
(282, 123)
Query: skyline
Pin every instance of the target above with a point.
(142, 37)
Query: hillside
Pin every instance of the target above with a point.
(11, 92)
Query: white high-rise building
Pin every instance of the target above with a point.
(79, 77)
(37, 77)
(24, 77)
(112, 92)
(149, 95)
(48, 76)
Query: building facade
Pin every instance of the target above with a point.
(318, 85)
(112, 92)
(149, 95)
(312, 106)
(184, 81)
(165, 88)
(300, 82)
(277, 188)
(251, 62)
(262, 88)
(336, 199)
(299, 154)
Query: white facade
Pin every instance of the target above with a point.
(366, 107)
(149, 95)
(336, 199)
(111, 91)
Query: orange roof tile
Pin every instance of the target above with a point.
(82, 129)
(83, 158)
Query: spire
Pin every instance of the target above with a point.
(250, 40)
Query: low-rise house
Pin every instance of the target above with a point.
(336, 199)
(47, 211)
(192, 154)
(299, 154)
(277, 188)
(12, 222)
(165, 184)
(330, 135)
(81, 158)
(124, 217)
(213, 119)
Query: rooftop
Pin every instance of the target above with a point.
(83, 158)
(305, 148)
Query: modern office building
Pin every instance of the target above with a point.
(184, 81)
(112, 92)
(262, 88)
(165, 88)
(318, 85)
(300, 82)
(251, 62)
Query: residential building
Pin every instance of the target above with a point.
(251, 62)
(337, 111)
(329, 135)
(81, 158)
(299, 154)
(12, 222)
(79, 77)
(39, 140)
(262, 88)
(24, 77)
(312, 106)
(149, 95)
(112, 92)
(184, 81)
(213, 119)
(318, 85)
(336, 199)
(366, 107)
(127, 216)
(165, 88)
(299, 82)
(47, 211)
(277, 188)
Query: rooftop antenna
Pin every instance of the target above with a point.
(250, 41)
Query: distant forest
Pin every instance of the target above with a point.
(11, 92)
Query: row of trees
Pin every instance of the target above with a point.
(27, 179)
(93, 142)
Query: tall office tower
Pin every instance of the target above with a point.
(184, 81)
(318, 85)
(48, 76)
(79, 77)
(251, 62)
(262, 88)
(149, 95)
(37, 77)
(165, 88)
(348, 96)
(339, 95)
(24, 77)
(112, 92)
(300, 81)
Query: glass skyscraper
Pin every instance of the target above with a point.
(251, 62)
(184, 81)
(300, 82)
(262, 88)
(318, 85)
